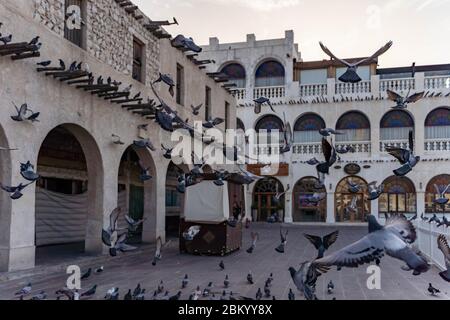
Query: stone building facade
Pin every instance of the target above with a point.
(72, 146)
(309, 95)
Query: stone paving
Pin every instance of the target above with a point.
(125, 272)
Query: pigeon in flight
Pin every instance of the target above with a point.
(144, 143)
(27, 172)
(145, 172)
(432, 290)
(191, 233)
(442, 200)
(445, 249)
(353, 187)
(248, 176)
(167, 79)
(283, 236)
(316, 198)
(167, 152)
(108, 233)
(133, 225)
(328, 132)
(212, 123)
(375, 191)
(402, 102)
(330, 157)
(255, 238)
(21, 112)
(405, 156)
(313, 162)
(305, 278)
(322, 244)
(121, 246)
(117, 140)
(16, 192)
(351, 76)
(196, 110)
(259, 102)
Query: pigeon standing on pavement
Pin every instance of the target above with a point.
(185, 282)
(222, 265)
(250, 278)
(330, 287)
(291, 295)
(432, 290)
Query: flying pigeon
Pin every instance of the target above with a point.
(16, 192)
(445, 249)
(144, 143)
(323, 244)
(117, 140)
(330, 157)
(405, 156)
(133, 225)
(167, 79)
(191, 233)
(27, 172)
(351, 76)
(353, 187)
(167, 152)
(328, 132)
(442, 200)
(255, 237)
(211, 123)
(196, 110)
(121, 246)
(305, 278)
(112, 228)
(259, 102)
(402, 102)
(282, 246)
(375, 191)
(316, 198)
(145, 172)
(21, 113)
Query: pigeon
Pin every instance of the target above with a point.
(287, 137)
(330, 287)
(69, 294)
(16, 192)
(167, 152)
(250, 278)
(145, 172)
(432, 290)
(226, 282)
(89, 293)
(191, 233)
(423, 218)
(352, 208)
(40, 296)
(323, 244)
(255, 237)
(444, 222)
(144, 143)
(6, 39)
(137, 290)
(259, 294)
(445, 249)
(167, 79)
(160, 287)
(108, 233)
(353, 187)
(128, 296)
(316, 198)
(120, 245)
(207, 290)
(158, 254)
(185, 282)
(211, 123)
(313, 162)
(175, 297)
(62, 65)
(34, 41)
(259, 102)
(141, 296)
(282, 246)
(112, 294)
(414, 217)
(442, 200)
(34, 117)
(405, 156)
(291, 295)
(350, 76)
(345, 149)
(435, 219)
(73, 67)
(44, 63)
(402, 102)
(305, 278)
(267, 292)
(196, 110)
(221, 265)
(24, 291)
(21, 112)
(330, 157)
(87, 274)
(100, 270)
(27, 172)
(328, 132)
(374, 191)
(133, 225)
(117, 140)
(187, 43)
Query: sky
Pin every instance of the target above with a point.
(420, 29)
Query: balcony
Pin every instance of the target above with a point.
(404, 144)
(437, 145)
(313, 90)
(270, 92)
(361, 88)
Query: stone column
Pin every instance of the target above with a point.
(155, 209)
(420, 202)
(331, 88)
(288, 208)
(331, 215)
(248, 202)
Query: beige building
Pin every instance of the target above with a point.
(72, 147)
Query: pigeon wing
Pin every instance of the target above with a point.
(444, 247)
(315, 240)
(400, 154)
(415, 97)
(381, 51)
(327, 150)
(401, 227)
(411, 141)
(332, 56)
(393, 96)
(328, 240)
(113, 218)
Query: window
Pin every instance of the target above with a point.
(74, 34)
(180, 84)
(440, 182)
(138, 60)
(207, 103)
(399, 196)
(172, 199)
(227, 115)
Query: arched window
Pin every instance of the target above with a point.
(303, 210)
(307, 128)
(355, 126)
(270, 124)
(396, 125)
(432, 194)
(264, 199)
(236, 73)
(270, 74)
(344, 199)
(240, 125)
(437, 124)
(399, 196)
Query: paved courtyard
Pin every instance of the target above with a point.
(126, 272)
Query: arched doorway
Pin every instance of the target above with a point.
(270, 74)
(344, 199)
(174, 202)
(68, 205)
(264, 199)
(236, 73)
(441, 181)
(304, 211)
(399, 196)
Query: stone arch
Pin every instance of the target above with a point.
(264, 200)
(236, 73)
(307, 126)
(396, 125)
(442, 181)
(301, 209)
(354, 125)
(399, 196)
(437, 124)
(343, 198)
(270, 72)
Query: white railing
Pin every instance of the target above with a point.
(436, 83)
(240, 93)
(437, 145)
(313, 90)
(266, 150)
(358, 146)
(307, 148)
(269, 92)
(404, 144)
(398, 85)
(353, 88)
(427, 235)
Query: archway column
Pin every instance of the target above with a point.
(288, 208)
(248, 202)
(155, 208)
(420, 202)
(331, 212)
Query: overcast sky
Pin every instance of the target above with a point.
(420, 29)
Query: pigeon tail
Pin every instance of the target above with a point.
(350, 76)
(374, 225)
(403, 171)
